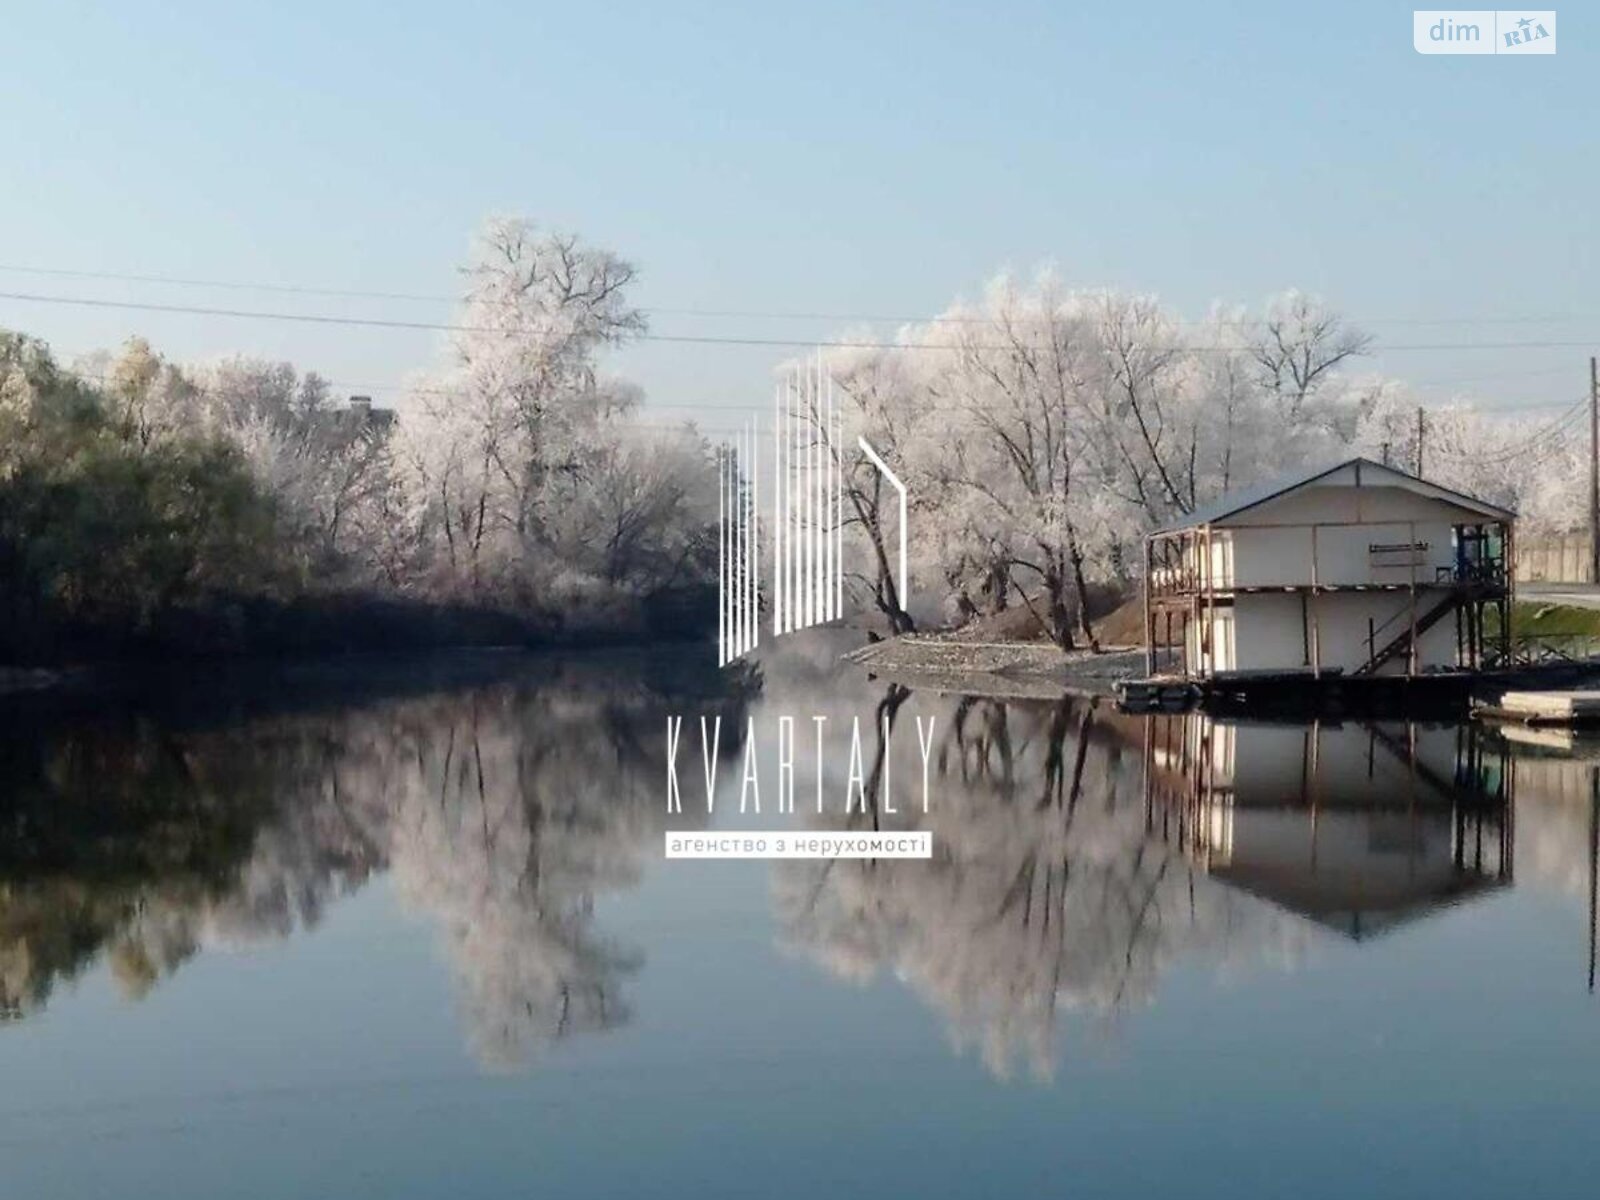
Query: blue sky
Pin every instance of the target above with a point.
(879, 159)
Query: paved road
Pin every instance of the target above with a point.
(1579, 595)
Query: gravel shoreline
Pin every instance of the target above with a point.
(1031, 669)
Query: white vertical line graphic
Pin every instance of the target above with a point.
(722, 562)
(805, 502)
(749, 538)
(802, 565)
(780, 491)
(791, 620)
(894, 481)
(822, 494)
(777, 510)
(835, 562)
(791, 615)
(739, 544)
(736, 507)
(736, 592)
(807, 514)
(814, 572)
(838, 534)
(809, 566)
(825, 494)
(797, 489)
(820, 434)
(735, 554)
(755, 535)
(823, 532)
(744, 541)
(818, 565)
(799, 588)
(838, 506)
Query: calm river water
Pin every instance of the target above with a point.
(391, 929)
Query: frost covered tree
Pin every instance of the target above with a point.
(516, 420)
(152, 397)
(330, 468)
(1301, 343)
(1536, 468)
(880, 398)
(537, 486)
(1044, 431)
(1016, 384)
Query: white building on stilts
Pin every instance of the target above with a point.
(1355, 569)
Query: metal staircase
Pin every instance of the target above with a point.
(1401, 643)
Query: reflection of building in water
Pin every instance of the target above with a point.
(1558, 771)
(1358, 827)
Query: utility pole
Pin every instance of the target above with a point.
(1420, 431)
(1594, 473)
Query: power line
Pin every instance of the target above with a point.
(1451, 380)
(1546, 437)
(680, 339)
(295, 289)
(287, 289)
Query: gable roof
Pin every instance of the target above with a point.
(1239, 501)
(1350, 906)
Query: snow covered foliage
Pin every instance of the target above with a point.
(534, 483)
(1042, 432)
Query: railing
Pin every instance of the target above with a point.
(1183, 581)
(1174, 581)
(1491, 572)
(1179, 564)
(1539, 649)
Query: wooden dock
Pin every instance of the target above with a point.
(1156, 694)
(1547, 694)
(1545, 708)
(1289, 693)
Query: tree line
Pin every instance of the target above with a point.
(514, 494)
(238, 504)
(1042, 432)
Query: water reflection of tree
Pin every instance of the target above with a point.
(116, 839)
(502, 813)
(1044, 892)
